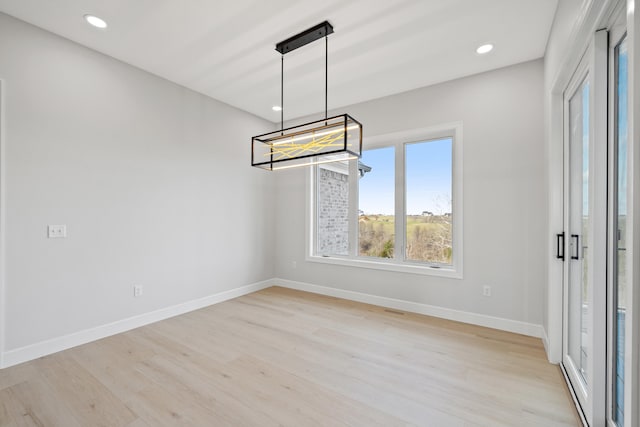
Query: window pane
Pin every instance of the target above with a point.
(332, 203)
(578, 331)
(376, 217)
(620, 295)
(428, 168)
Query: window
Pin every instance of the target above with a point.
(398, 208)
(428, 208)
(376, 203)
(619, 324)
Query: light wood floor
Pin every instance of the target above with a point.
(283, 357)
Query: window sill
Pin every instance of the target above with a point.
(448, 272)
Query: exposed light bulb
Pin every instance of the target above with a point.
(289, 140)
(312, 163)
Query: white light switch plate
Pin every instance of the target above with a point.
(57, 231)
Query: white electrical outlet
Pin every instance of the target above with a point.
(486, 291)
(57, 231)
(294, 265)
(137, 290)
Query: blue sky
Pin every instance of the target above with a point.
(428, 181)
(585, 149)
(623, 80)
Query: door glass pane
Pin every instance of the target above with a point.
(620, 294)
(376, 193)
(578, 309)
(333, 209)
(428, 201)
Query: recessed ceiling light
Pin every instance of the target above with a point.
(95, 21)
(485, 48)
(276, 108)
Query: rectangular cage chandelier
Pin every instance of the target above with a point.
(332, 139)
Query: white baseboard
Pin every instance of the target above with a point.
(33, 351)
(545, 342)
(508, 325)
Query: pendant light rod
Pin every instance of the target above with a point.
(282, 93)
(326, 73)
(301, 39)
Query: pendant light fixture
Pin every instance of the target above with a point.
(332, 139)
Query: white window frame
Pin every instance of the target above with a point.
(398, 140)
(3, 227)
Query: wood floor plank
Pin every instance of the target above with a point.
(281, 357)
(112, 366)
(307, 399)
(90, 401)
(13, 411)
(16, 375)
(34, 403)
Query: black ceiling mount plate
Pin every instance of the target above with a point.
(307, 36)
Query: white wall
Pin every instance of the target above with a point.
(569, 15)
(504, 197)
(152, 180)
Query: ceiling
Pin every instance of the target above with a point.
(226, 49)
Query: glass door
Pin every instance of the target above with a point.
(585, 268)
(577, 284)
(618, 232)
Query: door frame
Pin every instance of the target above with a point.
(632, 354)
(594, 67)
(618, 31)
(581, 74)
(3, 208)
(592, 16)
(599, 238)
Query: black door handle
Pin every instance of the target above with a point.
(560, 246)
(577, 255)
